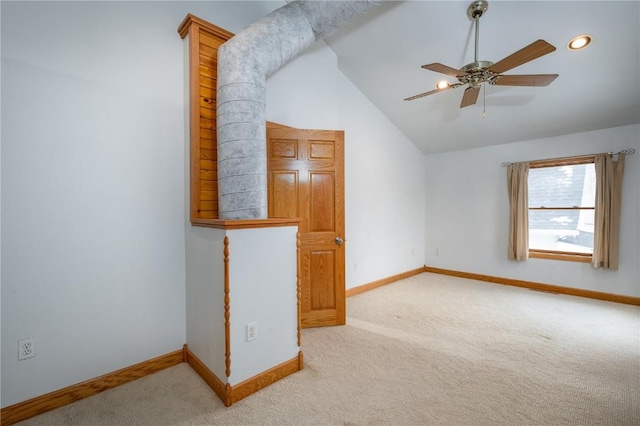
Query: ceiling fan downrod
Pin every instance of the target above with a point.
(475, 12)
(477, 68)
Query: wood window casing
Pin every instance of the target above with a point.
(557, 254)
(204, 41)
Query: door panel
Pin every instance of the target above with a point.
(306, 180)
(321, 189)
(284, 193)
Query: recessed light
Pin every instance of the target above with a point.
(442, 84)
(579, 42)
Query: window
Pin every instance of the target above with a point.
(561, 208)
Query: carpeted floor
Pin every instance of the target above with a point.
(428, 350)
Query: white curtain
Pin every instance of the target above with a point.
(517, 175)
(606, 244)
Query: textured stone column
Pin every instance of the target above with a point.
(244, 63)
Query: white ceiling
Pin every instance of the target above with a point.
(599, 87)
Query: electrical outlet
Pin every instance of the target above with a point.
(252, 331)
(26, 348)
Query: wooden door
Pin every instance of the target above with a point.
(306, 181)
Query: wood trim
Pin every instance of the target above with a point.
(272, 125)
(609, 297)
(230, 394)
(573, 257)
(206, 374)
(561, 208)
(194, 119)
(56, 399)
(190, 19)
(227, 311)
(204, 41)
(245, 224)
(299, 287)
(565, 161)
(264, 379)
(379, 283)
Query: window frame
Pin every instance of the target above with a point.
(558, 254)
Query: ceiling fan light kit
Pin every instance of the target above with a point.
(479, 72)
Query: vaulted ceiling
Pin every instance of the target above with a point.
(599, 87)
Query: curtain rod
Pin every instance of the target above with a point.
(629, 151)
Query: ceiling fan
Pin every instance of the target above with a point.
(478, 72)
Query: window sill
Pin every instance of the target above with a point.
(571, 257)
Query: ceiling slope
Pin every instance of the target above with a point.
(599, 87)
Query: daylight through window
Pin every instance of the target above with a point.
(561, 208)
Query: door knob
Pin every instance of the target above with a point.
(338, 241)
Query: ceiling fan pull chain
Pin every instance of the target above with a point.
(484, 100)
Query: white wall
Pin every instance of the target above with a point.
(467, 205)
(384, 171)
(93, 214)
(262, 290)
(205, 297)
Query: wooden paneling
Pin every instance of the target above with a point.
(204, 41)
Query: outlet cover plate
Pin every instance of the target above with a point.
(252, 331)
(26, 348)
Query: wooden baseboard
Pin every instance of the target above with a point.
(231, 394)
(609, 297)
(207, 375)
(266, 378)
(32, 407)
(379, 283)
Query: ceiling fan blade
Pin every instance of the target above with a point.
(470, 96)
(525, 80)
(443, 69)
(534, 50)
(422, 95)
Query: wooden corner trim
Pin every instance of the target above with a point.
(207, 375)
(244, 224)
(227, 310)
(41, 404)
(190, 19)
(264, 379)
(609, 297)
(379, 283)
(299, 287)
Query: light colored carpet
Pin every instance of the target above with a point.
(428, 350)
